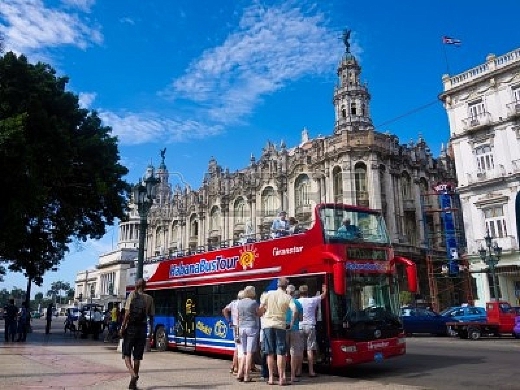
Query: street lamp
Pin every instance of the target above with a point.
(143, 197)
(491, 257)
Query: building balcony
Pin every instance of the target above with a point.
(479, 176)
(508, 244)
(513, 109)
(477, 122)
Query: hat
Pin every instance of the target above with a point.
(303, 289)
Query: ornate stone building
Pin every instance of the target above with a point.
(483, 108)
(355, 165)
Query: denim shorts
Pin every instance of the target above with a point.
(275, 341)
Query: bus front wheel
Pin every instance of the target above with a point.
(161, 342)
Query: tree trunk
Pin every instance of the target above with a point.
(28, 305)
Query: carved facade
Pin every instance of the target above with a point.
(355, 165)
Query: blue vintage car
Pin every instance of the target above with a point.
(465, 314)
(419, 320)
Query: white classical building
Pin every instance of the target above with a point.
(483, 107)
(106, 283)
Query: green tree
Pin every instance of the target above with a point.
(59, 168)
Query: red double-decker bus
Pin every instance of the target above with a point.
(358, 320)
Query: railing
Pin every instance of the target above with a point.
(492, 63)
(513, 108)
(487, 174)
(507, 244)
(477, 121)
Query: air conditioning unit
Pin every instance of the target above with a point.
(474, 122)
(481, 175)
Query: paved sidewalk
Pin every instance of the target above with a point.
(59, 361)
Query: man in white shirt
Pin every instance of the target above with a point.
(273, 306)
(308, 324)
(230, 312)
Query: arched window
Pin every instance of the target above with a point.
(194, 226)
(343, 111)
(215, 219)
(268, 202)
(363, 109)
(353, 108)
(406, 186)
(302, 191)
(360, 180)
(337, 184)
(240, 210)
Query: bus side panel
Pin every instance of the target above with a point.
(213, 334)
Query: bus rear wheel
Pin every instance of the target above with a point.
(161, 343)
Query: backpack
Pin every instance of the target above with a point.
(137, 309)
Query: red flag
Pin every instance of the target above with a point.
(450, 41)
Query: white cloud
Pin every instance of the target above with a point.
(29, 26)
(127, 20)
(138, 128)
(84, 5)
(85, 99)
(271, 47)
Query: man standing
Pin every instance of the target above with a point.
(274, 307)
(10, 314)
(48, 318)
(22, 323)
(280, 226)
(294, 336)
(308, 324)
(230, 312)
(139, 307)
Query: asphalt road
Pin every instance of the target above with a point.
(448, 363)
(431, 363)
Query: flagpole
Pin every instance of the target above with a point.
(446, 58)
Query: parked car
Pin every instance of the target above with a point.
(420, 320)
(465, 314)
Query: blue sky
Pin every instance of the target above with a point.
(221, 78)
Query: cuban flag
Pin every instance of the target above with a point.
(450, 41)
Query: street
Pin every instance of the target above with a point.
(60, 361)
(449, 363)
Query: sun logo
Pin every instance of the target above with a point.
(248, 255)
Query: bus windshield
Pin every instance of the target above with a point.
(345, 225)
(371, 303)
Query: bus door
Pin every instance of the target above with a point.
(186, 312)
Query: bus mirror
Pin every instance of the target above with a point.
(411, 272)
(339, 278)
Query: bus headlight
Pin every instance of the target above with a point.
(350, 349)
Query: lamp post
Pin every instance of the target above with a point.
(143, 197)
(491, 256)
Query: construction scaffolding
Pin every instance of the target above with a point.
(449, 280)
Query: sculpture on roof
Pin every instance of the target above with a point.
(163, 153)
(346, 37)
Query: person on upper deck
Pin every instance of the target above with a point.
(280, 226)
(348, 231)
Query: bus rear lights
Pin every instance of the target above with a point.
(348, 349)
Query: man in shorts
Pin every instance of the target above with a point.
(273, 306)
(294, 336)
(308, 323)
(139, 307)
